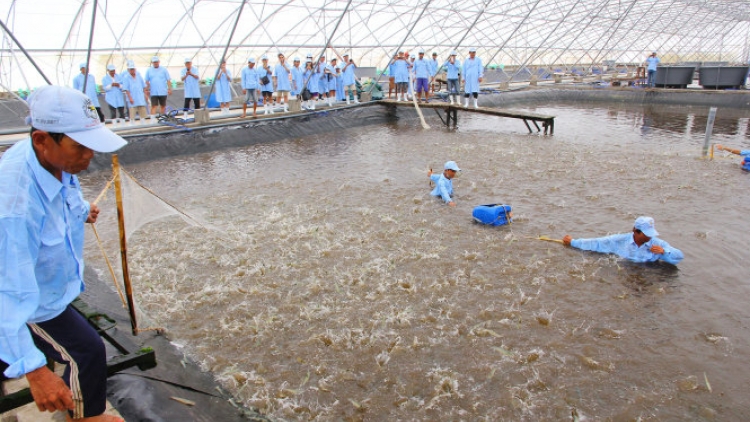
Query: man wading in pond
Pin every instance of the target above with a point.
(444, 182)
(42, 213)
(641, 245)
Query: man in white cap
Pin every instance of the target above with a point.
(422, 73)
(641, 245)
(250, 81)
(349, 79)
(452, 75)
(191, 79)
(472, 72)
(135, 90)
(86, 78)
(444, 182)
(112, 84)
(652, 63)
(42, 216)
(158, 86)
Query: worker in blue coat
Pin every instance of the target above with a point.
(191, 79)
(472, 72)
(641, 245)
(90, 90)
(401, 76)
(453, 69)
(112, 85)
(223, 86)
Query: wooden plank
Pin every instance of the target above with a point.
(481, 110)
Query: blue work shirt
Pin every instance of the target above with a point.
(192, 83)
(652, 63)
(281, 72)
(349, 76)
(433, 67)
(422, 68)
(624, 246)
(113, 96)
(251, 78)
(400, 71)
(443, 187)
(158, 79)
(135, 86)
(90, 87)
(268, 72)
(41, 252)
(452, 69)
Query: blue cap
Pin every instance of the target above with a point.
(421, 51)
(82, 65)
(453, 53)
(646, 225)
(451, 165)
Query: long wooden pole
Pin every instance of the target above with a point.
(123, 245)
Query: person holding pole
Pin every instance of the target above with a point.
(42, 216)
(744, 153)
(641, 245)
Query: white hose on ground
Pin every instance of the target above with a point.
(416, 104)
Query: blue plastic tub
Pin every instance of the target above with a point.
(492, 214)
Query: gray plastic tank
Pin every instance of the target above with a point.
(723, 77)
(674, 76)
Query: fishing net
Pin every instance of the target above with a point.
(140, 207)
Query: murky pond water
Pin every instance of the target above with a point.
(336, 289)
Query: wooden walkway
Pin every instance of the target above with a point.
(451, 113)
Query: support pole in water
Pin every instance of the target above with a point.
(123, 245)
(709, 129)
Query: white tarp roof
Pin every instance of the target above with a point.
(505, 32)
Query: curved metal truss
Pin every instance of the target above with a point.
(516, 33)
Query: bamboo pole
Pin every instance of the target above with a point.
(123, 245)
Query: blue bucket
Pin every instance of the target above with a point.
(492, 214)
(746, 164)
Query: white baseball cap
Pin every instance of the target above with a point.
(131, 64)
(154, 59)
(264, 57)
(251, 59)
(646, 225)
(188, 60)
(60, 109)
(82, 65)
(472, 50)
(111, 67)
(451, 165)
(453, 53)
